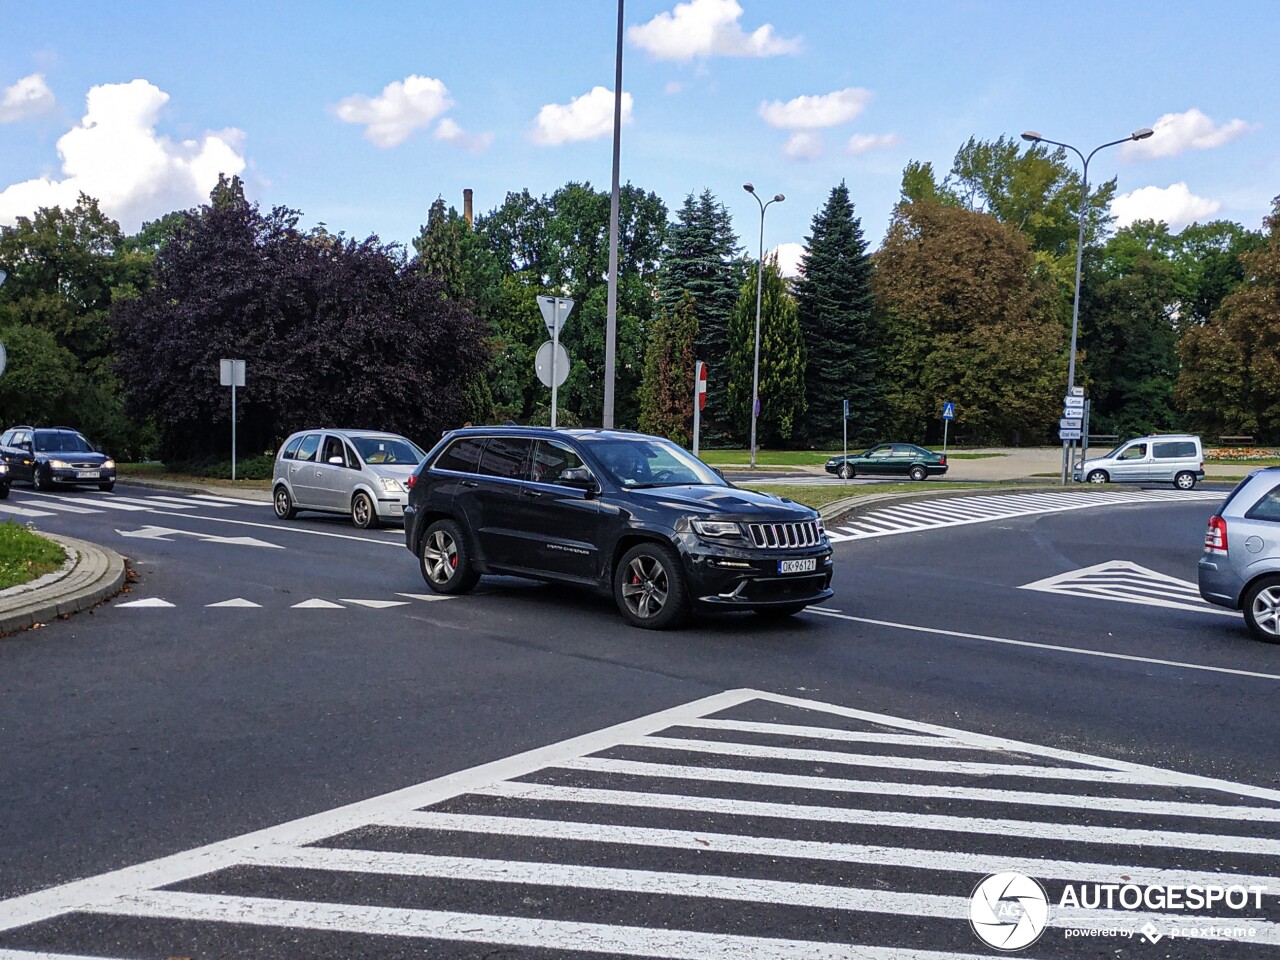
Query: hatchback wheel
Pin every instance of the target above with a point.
(846, 472)
(444, 561)
(285, 509)
(1262, 609)
(363, 514)
(1097, 476)
(649, 588)
(918, 472)
(1185, 480)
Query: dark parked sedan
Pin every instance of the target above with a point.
(55, 456)
(890, 460)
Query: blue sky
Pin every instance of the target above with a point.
(359, 115)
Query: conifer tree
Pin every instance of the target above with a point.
(666, 396)
(835, 303)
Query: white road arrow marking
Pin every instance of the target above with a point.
(239, 602)
(167, 533)
(376, 604)
(149, 602)
(317, 604)
(427, 596)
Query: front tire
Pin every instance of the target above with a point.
(918, 473)
(1097, 476)
(444, 560)
(40, 478)
(283, 503)
(363, 513)
(649, 587)
(4, 491)
(1185, 481)
(1262, 609)
(846, 472)
(107, 487)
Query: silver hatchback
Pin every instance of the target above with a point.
(1240, 566)
(362, 473)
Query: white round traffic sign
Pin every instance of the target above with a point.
(542, 363)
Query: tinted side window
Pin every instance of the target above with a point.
(550, 459)
(1268, 508)
(902, 450)
(308, 448)
(506, 457)
(462, 455)
(1175, 450)
(290, 449)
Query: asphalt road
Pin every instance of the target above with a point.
(138, 732)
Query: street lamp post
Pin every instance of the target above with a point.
(1034, 137)
(755, 367)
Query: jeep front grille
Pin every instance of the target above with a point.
(780, 536)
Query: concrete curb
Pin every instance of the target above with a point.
(211, 490)
(90, 575)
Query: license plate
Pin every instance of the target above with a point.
(86, 474)
(798, 566)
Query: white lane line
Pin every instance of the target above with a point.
(1157, 808)
(210, 498)
(986, 826)
(1056, 648)
(554, 935)
(820, 850)
(24, 511)
(823, 733)
(889, 761)
(706, 886)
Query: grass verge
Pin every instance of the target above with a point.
(24, 555)
(158, 471)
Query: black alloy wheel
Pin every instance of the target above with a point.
(649, 587)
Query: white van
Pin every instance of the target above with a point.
(1176, 458)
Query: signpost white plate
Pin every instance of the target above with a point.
(542, 363)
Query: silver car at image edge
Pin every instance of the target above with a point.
(1240, 566)
(362, 473)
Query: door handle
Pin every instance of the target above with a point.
(531, 493)
(470, 483)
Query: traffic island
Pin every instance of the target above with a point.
(90, 574)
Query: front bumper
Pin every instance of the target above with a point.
(1219, 584)
(74, 475)
(391, 507)
(746, 578)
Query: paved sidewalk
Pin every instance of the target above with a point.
(212, 489)
(90, 574)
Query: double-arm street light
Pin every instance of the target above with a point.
(1034, 137)
(755, 368)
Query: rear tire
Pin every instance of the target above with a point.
(444, 560)
(846, 472)
(283, 503)
(1185, 481)
(1262, 609)
(649, 587)
(363, 513)
(1097, 476)
(918, 473)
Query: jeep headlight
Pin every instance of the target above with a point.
(717, 529)
(392, 485)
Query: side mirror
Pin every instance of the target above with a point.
(337, 462)
(718, 472)
(578, 477)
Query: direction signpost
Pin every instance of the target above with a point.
(846, 434)
(554, 311)
(232, 375)
(1071, 428)
(699, 399)
(948, 414)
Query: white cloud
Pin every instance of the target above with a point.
(866, 142)
(809, 113)
(449, 131)
(1178, 132)
(584, 118)
(803, 145)
(404, 106)
(29, 97)
(1175, 205)
(116, 156)
(789, 256)
(707, 28)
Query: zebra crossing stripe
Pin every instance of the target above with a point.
(823, 733)
(24, 511)
(67, 507)
(985, 826)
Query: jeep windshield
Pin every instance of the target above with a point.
(647, 462)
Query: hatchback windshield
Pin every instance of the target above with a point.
(650, 463)
(387, 451)
(60, 441)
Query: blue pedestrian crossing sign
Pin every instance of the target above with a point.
(948, 411)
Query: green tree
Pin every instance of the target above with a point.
(967, 319)
(666, 396)
(440, 249)
(836, 310)
(782, 359)
(39, 379)
(1230, 377)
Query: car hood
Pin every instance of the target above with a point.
(399, 471)
(728, 502)
(74, 457)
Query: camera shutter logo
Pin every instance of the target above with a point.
(1008, 911)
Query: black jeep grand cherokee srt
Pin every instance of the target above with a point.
(622, 512)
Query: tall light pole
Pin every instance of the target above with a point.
(1034, 137)
(755, 367)
(611, 308)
